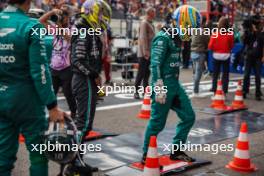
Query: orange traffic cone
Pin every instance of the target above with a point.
(241, 161)
(219, 98)
(152, 167)
(238, 102)
(146, 107)
(21, 138)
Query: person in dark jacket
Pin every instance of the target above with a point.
(86, 62)
(253, 40)
(86, 54)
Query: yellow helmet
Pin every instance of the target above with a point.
(92, 11)
(106, 14)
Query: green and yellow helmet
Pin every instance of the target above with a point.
(106, 14)
(92, 11)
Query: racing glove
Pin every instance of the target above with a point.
(160, 95)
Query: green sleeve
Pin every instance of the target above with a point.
(39, 68)
(158, 54)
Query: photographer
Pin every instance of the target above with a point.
(60, 61)
(253, 41)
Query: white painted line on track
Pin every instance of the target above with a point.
(184, 84)
(117, 106)
(125, 105)
(210, 81)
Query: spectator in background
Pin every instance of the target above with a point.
(60, 59)
(246, 8)
(221, 45)
(253, 40)
(107, 55)
(199, 46)
(146, 34)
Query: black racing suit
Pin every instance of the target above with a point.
(86, 53)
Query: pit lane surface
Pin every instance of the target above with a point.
(117, 116)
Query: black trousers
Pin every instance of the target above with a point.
(143, 73)
(63, 78)
(85, 93)
(252, 64)
(186, 54)
(217, 64)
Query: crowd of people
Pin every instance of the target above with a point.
(246, 8)
(251, 55)
(197, 50)
(242, 8)
(135, 7)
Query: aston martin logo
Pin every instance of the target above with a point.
(6, 31)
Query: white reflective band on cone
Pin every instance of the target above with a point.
(146, 97)
(219, 97)
(152, 153)
(238, 98)
(242, 154)
(146, 107)
(243, 137)
(151, 172)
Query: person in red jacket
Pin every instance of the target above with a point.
(221, 44)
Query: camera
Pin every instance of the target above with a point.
(58, 18)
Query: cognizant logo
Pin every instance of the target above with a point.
(7, 59)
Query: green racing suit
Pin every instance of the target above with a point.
(165, 65)
(25, 90)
